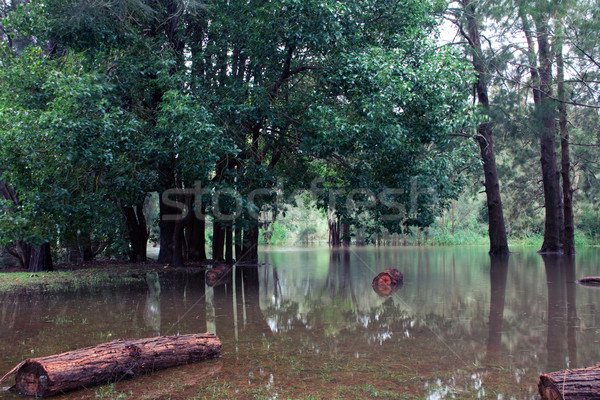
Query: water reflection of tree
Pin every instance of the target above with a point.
(498, 274)
(561, 347)
(152, 309)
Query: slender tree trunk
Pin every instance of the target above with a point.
(567, 188)
(238, 243)
(218, 241)
(546, 116)
(496, 226)
(229, 245)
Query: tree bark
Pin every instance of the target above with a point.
(167, 229)
(250, 245)
(496, 226)
(109, 362)
(138, 232)
(546, 116)
(570, 384)
(218, 242)
(568, 235)
(41, 259)
(197, 240)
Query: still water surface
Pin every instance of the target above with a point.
(308, 325)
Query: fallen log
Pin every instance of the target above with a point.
(219, 275)
(387, 282)
(570, 384)
(589, 281)
(110, 362)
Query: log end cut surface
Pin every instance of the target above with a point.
(32, 378)
(570, 384)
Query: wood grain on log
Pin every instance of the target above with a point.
(110, 362)
(570, 384)
(387, 282)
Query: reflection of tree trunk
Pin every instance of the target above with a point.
(568, 265)
(556, 281)
(498, 273)
(152, 316)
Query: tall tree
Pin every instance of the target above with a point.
(496, 227)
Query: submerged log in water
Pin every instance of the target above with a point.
(590, 281)
(387, 282)
(109, 362)
(570, 384)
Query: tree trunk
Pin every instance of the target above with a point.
(138, 232)
(197, 239)
(110, 362)
(567, 189)
(218, 241)
(250, 245)
(238, 240)
(345, 235)
(179, 244)
(41, 259)
(570, 384)
(496, 226)
(229, 245)
(167, 229)
(546, 116)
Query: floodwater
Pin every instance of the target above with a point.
(308, 325)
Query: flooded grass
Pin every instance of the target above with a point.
(96, 276)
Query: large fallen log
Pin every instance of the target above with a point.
(110, 362)
(570, 384)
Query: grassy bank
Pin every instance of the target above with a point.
(73, 279)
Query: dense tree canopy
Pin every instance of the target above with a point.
(107, 102)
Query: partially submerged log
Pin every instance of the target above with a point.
(570, 384)
(110, 362)
(387, 282)
(590, 281)
(219, 275)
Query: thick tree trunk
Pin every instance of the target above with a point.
(41, 259)
(179, 244)
(334, 231)
(167, 229)
(138, 232)
(496, 226)
(250, 245)
(109, 362)
(197, 240)
(570, 384)
(345, 235)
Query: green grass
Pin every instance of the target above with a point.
(93, 277)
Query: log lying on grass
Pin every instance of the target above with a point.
(570, 384)
(387, 282)
(110, 362)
